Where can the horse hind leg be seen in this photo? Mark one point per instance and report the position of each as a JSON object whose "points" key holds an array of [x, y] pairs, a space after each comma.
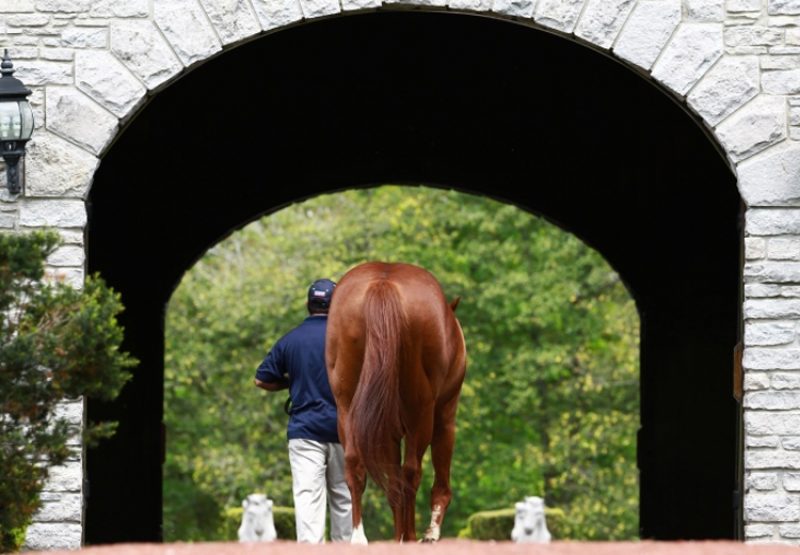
{"points": [[396, 491], [442, 455], [416, 445], [356, 477]]}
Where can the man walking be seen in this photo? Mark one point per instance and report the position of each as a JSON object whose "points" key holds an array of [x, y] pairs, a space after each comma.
{"points": [[297, 362]]}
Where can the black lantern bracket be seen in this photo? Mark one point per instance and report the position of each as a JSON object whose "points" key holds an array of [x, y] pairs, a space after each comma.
{"points": [[16, 123]]}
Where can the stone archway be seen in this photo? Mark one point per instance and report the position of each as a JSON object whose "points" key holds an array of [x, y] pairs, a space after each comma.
{"points": [[115, 56], [448, 110]]}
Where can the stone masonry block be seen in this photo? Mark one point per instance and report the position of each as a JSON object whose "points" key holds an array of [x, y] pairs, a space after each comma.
{"points": [[755, 248], [57, 168], [186, 27], [738, 6], [437, 3], [772, 459], [40, 72], [790, 531], [647, 31], [762, 481], [769, 333], [28, 20], [233, 20], [694, 48], [17, 6], [753, 35], [514, 8], [116, 8], [772, 178], [771, 272], [142, 49], [602, 20], [469, 5], [67, 477], [764, 423], [791, 481], [705, 10], [786, 380], [771, 358], [791, 443], [70, 410], [63, 6], [731, 83], [769, 308], [100, 75], [73, 115], [784, 248], [783, 7], [759, 124], [43, 536], [278, 13], [84, 37], [772, 400], [772, 222], [760, 442], [52, 213], [792, 37], [561, 15], [785, 81], [66, 507], [759, 531], [73, 277], [480, 5], [771, 507], [754, 381], [68, 255]]}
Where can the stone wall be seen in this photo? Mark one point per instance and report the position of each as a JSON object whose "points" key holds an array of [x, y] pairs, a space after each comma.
{"points": [[733, 63]]}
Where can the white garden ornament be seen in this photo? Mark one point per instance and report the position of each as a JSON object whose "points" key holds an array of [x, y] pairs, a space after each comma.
{"points": [[530, 525], [258, 524]]}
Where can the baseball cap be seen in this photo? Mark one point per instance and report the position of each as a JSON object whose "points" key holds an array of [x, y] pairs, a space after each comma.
{"points": [[320, 293]]}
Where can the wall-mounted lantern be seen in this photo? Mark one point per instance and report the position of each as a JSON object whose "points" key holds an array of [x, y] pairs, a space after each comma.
{"points": [[16, 123]]}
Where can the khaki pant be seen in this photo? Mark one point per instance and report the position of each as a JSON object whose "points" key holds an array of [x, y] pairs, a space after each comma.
{"points": [[317, 481]]}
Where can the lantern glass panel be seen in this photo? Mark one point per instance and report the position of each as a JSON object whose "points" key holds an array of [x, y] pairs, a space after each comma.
{"points": [[26, 116], [10, 120]]}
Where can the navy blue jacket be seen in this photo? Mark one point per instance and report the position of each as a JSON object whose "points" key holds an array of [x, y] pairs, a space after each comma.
{"points": [[299, 357]]}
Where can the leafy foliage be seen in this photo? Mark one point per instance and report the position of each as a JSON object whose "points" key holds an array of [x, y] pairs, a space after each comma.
{"points": [[56, 343], [550, 404]]}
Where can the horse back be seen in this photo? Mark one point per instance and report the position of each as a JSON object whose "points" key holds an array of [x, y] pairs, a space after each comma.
{"points": [[433, 342]]}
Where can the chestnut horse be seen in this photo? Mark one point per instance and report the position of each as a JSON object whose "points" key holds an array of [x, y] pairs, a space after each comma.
{"points": [[396, 361]]}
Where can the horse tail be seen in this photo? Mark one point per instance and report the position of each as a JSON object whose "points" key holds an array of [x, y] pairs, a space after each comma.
{"points": [[375, 423]]}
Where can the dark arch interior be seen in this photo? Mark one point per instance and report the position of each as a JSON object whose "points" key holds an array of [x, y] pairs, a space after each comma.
{"points": [[482, 105]]}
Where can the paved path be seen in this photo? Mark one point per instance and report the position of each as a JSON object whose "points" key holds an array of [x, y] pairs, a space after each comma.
{"points": [[445, 547]]}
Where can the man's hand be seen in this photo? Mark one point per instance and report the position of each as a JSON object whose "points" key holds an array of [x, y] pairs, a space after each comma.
{"points": [[271, 386]]}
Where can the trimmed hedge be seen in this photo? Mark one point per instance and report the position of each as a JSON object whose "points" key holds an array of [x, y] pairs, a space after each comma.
{"points": [[497, 525], [283, 517]]}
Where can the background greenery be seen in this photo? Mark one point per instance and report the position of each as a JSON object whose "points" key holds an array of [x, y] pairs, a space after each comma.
{"points": [[550, 404]]}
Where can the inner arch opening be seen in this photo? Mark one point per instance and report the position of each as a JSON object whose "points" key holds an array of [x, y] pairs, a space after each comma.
{"points": [[550, 405], [483, 105]]}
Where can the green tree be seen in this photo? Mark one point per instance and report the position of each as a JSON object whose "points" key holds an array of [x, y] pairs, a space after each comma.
{"points": [[550, 403], [56, 343]]}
